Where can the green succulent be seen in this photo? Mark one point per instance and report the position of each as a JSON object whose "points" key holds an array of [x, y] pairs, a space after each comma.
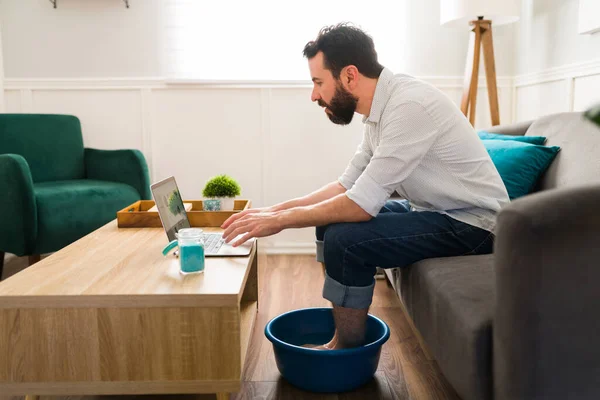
{"points": [[221, 186]]}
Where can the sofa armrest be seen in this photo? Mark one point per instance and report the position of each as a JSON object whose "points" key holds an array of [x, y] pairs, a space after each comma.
{"points": [[546, 330], [517, 129], [125, 166], [18, 209]]}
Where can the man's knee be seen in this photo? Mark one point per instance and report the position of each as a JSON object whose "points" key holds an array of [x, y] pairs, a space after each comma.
{"points": [[330, 236], [337, 239], [342, 235]]}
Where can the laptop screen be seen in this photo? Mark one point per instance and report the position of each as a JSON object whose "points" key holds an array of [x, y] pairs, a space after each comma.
{"points": [[170, 206]]}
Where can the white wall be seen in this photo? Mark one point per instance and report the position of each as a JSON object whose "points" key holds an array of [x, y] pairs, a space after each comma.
{"points": [[78, 39], [101, 38], [104, 63], [557, 68]]}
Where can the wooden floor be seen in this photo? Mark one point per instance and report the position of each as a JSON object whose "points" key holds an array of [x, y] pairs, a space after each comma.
{"points": [[289, 282]]}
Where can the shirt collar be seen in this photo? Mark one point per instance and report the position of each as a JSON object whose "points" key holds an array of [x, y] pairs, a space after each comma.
{"points": [[380, 97]]}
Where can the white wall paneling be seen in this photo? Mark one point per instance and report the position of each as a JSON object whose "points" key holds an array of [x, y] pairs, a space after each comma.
{"points": [[567, 88], [26, 100], [12, 101], [587, 92], [110, 119], [200, 133], [545, 98]]}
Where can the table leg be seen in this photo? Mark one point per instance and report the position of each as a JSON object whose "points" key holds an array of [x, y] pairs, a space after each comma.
{"points": [[222, 396], [32, 397]]}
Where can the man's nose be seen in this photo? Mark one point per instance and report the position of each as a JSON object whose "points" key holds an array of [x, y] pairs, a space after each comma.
{"points": [[314, 96]]}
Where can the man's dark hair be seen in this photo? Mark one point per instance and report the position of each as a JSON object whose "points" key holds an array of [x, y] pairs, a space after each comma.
{"points": [[344, 45]]}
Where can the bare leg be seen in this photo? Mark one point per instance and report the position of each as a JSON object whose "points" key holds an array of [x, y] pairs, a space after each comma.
{"points": [[351, 326]]}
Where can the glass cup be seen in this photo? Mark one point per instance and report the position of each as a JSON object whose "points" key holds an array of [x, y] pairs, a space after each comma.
{"points": [[191, 250]]}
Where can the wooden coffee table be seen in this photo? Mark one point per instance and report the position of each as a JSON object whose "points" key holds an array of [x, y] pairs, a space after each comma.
{"points": [[110, 315]]}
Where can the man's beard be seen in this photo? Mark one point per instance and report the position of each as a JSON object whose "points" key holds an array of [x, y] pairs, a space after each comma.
{"points": [[342, 106]]}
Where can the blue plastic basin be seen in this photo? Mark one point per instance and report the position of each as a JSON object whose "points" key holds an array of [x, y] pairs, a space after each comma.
{"points": [[324, 371]]}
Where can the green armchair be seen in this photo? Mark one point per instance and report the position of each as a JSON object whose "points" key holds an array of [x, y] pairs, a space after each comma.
{"points": [[55, 191]]}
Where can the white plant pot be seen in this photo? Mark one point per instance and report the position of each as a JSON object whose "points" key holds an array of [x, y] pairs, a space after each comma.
{"points": [[227, 203]]}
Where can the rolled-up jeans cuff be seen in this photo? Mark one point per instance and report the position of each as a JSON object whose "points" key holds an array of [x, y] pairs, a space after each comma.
{"points": [[358, 297], [320, 256]]}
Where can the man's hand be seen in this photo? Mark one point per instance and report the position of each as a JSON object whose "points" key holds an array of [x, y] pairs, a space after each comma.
{"points": [[265, 222], [239, 215], [251, 224]]}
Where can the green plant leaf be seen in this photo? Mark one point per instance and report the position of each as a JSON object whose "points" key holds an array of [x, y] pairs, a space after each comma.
{"points": [[593, 114], [221, 186]]}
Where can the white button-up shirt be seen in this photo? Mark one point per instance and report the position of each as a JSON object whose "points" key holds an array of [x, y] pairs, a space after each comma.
{"points": [[417, 142]]}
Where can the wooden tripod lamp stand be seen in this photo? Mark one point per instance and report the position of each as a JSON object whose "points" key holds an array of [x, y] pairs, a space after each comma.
{"points": [[479, 15]]}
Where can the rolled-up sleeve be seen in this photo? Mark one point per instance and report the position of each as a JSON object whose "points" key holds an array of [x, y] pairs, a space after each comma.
{"points": [[357, 164], [405, 140]]}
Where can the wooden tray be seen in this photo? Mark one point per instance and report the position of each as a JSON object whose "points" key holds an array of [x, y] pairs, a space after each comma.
{"points": [[137, 215]]}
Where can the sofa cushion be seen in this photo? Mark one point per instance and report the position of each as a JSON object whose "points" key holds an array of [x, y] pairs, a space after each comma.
{"points": [[75, 208], [520, 164], [451, 302], [483, 135], [51, 144], [578, 162]]}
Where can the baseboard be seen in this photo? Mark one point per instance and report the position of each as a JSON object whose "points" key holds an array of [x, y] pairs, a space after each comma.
{"points": [[290, 248]]}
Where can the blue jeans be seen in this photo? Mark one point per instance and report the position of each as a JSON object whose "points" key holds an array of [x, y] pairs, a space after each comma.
{"points": [[396, 237]]}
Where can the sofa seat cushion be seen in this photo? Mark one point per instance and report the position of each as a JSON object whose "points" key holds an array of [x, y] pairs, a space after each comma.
{"points": [[76, 208], [451, 302]]}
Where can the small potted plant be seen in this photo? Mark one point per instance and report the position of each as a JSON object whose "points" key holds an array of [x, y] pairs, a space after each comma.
{"points": [[220, 192]]}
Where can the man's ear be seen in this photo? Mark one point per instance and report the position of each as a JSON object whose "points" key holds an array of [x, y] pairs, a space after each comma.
{"points": [[349, 77]]}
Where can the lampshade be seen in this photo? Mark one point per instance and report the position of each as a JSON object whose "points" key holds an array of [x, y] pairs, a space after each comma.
{"points": [[458, 13]]}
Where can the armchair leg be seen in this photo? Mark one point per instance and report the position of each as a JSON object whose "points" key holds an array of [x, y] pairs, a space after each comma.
{"points": [[1, 263], [34, 258]]}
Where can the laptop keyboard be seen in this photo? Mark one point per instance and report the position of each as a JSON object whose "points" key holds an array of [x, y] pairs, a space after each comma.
{"points": [[212, 242]]}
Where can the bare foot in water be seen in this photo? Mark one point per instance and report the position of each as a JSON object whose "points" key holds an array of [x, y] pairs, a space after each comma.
{"points": [[315, 346], [327, 346]]}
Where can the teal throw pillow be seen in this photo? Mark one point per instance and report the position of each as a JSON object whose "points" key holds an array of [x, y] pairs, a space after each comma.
{"points": [[520, 164], [497, 136]]}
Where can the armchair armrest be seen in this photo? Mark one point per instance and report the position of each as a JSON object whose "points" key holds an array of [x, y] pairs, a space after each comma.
{"points": [[125, 166], [18, 209], [546, 330]]}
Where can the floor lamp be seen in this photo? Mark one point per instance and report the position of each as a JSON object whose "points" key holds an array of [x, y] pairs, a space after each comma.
{"points": [[479, 15]]}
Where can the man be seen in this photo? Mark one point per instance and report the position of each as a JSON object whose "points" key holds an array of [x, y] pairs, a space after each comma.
{"points": [[416, 143]]}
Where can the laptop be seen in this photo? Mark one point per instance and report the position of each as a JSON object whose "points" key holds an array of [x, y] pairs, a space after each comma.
{"points": [[173, 217]]}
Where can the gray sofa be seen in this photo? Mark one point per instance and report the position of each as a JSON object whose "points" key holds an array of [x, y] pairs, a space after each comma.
{"points": [[524, 322]]}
